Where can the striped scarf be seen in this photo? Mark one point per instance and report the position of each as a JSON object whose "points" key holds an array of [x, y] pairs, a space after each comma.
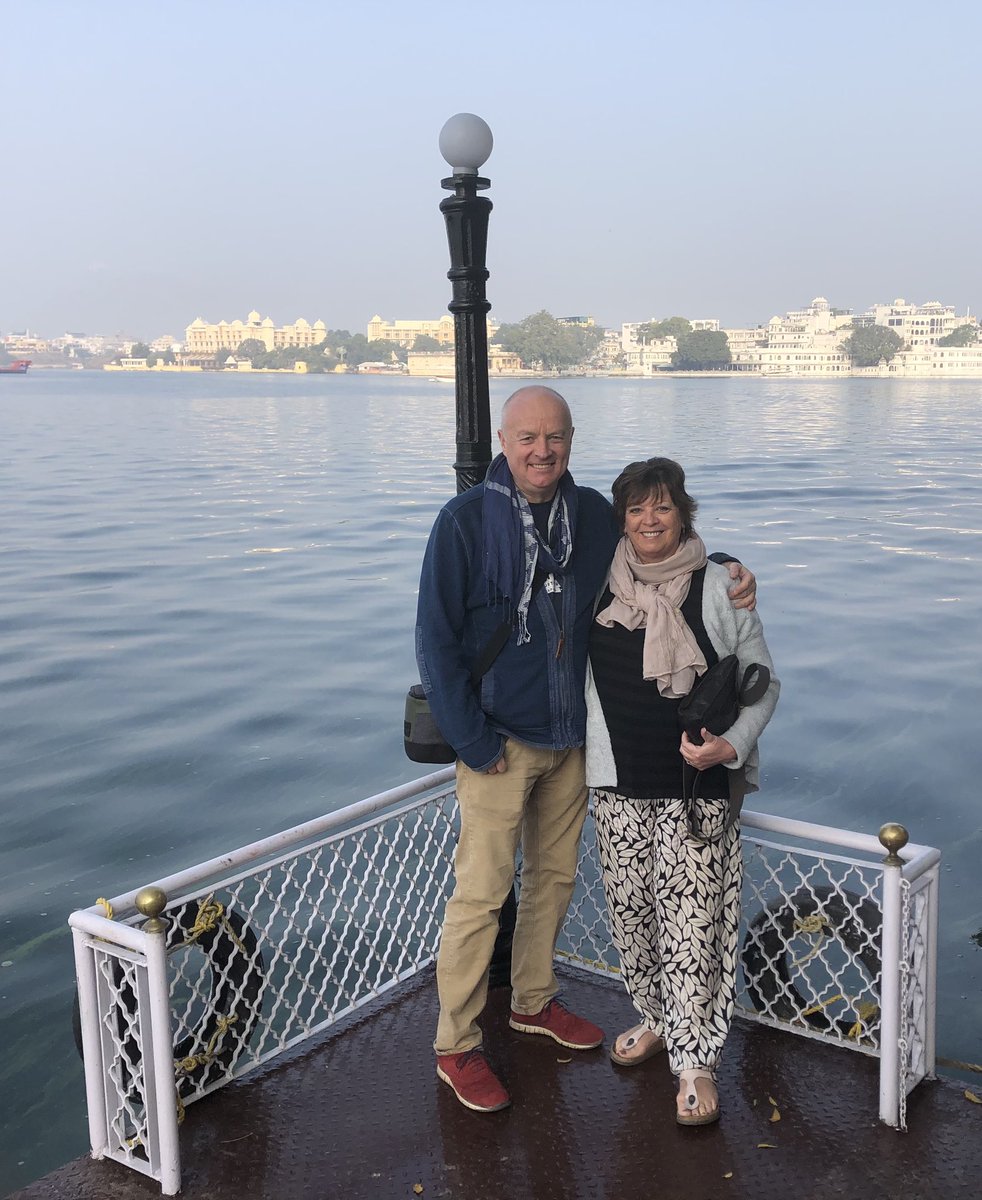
{"points": [[513, 547]]}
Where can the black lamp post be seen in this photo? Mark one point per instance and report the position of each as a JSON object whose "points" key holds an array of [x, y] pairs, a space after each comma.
{"points": [[465, 142]]}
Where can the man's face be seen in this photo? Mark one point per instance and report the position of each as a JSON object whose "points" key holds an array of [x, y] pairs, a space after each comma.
{"points": [[536, 435]]}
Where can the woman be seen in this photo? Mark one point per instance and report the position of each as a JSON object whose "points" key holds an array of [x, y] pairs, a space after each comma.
{"points": [[663, 617]]}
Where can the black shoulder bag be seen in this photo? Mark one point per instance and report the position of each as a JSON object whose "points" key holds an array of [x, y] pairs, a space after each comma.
{"points": [[423, 741], [714, 703]]}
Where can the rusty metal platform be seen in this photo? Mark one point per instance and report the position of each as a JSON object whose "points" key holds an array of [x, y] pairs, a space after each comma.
{"points": [[362, 1116]]}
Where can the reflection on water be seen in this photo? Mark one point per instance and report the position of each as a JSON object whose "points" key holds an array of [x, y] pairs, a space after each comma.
{"points": [[207, 591]]}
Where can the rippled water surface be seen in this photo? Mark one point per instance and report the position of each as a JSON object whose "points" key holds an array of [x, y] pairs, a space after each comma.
{"points": [[207, 592]]}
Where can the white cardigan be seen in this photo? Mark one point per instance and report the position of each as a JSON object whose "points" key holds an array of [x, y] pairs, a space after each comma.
{"points": [[731, 631]]}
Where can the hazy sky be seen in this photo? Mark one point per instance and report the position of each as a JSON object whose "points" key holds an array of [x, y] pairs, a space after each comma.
{"points": [[731, 160]]}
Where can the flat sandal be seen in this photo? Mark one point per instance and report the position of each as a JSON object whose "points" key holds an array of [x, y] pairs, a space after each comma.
{"points": [[631, 1038], [687, 1087]]}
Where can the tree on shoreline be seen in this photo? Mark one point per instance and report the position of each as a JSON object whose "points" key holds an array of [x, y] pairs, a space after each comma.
{"points": [[540, 340], [868, 344], [702, 350], [964, 335], [675, 327]]}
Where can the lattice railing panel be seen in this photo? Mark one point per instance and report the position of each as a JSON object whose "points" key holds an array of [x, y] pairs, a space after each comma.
{"points": [[292, 945], [121, 986], [278, 951], [811, 943], [914, 1018]]}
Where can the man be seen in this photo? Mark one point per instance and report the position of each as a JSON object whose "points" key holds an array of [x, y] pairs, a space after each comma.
{"points": [[531, 546]]}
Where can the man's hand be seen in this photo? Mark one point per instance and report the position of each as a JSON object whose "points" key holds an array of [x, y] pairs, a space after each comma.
{"points": [[743, 594], [499, 767]]}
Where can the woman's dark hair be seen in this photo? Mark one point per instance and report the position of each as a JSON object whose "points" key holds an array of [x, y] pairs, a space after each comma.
{"points": [[639, 480]]}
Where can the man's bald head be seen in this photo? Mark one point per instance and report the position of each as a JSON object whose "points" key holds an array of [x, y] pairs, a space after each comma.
{"points": [[536, 435]]}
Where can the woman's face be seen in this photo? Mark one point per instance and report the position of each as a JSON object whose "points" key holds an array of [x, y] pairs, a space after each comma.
{"points": [[654, 527]]}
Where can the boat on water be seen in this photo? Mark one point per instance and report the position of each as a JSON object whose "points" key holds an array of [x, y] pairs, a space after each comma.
{"points": [[301, 969], [17, 367]]}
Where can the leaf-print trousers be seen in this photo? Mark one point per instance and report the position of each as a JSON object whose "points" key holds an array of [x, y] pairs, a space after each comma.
{"points": [[674, 908]]}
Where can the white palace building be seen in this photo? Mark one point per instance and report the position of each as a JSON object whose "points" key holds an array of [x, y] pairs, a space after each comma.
{"points": [[809, 343]]}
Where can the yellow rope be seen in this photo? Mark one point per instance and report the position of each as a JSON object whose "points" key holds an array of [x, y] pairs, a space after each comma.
{"points": [[184, 1066], [210, 912], [865, 1010], [816, 924], [107, 907]]}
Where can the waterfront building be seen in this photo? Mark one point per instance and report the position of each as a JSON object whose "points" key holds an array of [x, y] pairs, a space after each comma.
{"points": [[203, 339], [405, 332], [629, 330], [441, 364], [650, 358], [24, 343], [74, 344], [806, 341], [918, 324], [745, 347], [809, 342], [931, 362]]}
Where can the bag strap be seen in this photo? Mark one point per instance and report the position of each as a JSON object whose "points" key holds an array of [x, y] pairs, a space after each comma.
{"points": [[752, 689], [690, 779], [756, 681], [496, 642]]}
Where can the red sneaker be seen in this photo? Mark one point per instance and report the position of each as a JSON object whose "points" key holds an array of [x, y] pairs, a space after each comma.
{"points": [[561, 1025], [474, 1083]]}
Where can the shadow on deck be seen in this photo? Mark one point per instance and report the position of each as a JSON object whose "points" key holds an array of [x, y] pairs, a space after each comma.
{"points": [[362, 1116]]}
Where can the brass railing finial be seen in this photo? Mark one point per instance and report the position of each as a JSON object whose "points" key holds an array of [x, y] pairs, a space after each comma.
{"points": [[893, 837], [151, 901]]}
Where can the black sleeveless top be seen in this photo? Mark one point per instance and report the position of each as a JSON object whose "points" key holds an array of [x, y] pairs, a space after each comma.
{"points": [[643, 725]]}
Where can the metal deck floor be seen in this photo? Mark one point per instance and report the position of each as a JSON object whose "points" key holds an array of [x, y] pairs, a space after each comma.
{"points": [[362, 1116]]}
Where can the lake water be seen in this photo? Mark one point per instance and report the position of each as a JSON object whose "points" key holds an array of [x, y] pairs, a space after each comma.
{"points": [[207, 594]]}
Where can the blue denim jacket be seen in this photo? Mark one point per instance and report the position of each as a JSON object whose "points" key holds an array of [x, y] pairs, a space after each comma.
{"points": [[533, 692]]}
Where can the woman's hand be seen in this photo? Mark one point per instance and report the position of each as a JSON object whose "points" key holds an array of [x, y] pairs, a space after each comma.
{"points": [[744, 593], [713, 751]]}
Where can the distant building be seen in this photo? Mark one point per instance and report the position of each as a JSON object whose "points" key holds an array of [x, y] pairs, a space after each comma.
{"points": [[74, 345], [931, 362], [808, 342], [629, 330], [441, 364], [203, 339], [405, 333], [918, 324], [652, 357], [24, 343]]}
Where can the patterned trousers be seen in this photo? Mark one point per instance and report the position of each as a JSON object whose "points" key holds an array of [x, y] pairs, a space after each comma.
{"points": [[674, 908]]}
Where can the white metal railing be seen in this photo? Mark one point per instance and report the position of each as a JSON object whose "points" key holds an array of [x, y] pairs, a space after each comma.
{"points": [[272, 944]]}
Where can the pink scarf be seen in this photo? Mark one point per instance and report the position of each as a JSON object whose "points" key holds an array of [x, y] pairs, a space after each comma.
{"points": [[648, 596]]}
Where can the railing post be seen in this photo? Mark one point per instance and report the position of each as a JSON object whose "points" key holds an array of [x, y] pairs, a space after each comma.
{"points": [[893, 838], [151, 902], [931, 973], [88, 1012]]}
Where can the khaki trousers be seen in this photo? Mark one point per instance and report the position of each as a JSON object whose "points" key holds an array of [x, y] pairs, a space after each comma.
{"points": [[540, 802]]}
